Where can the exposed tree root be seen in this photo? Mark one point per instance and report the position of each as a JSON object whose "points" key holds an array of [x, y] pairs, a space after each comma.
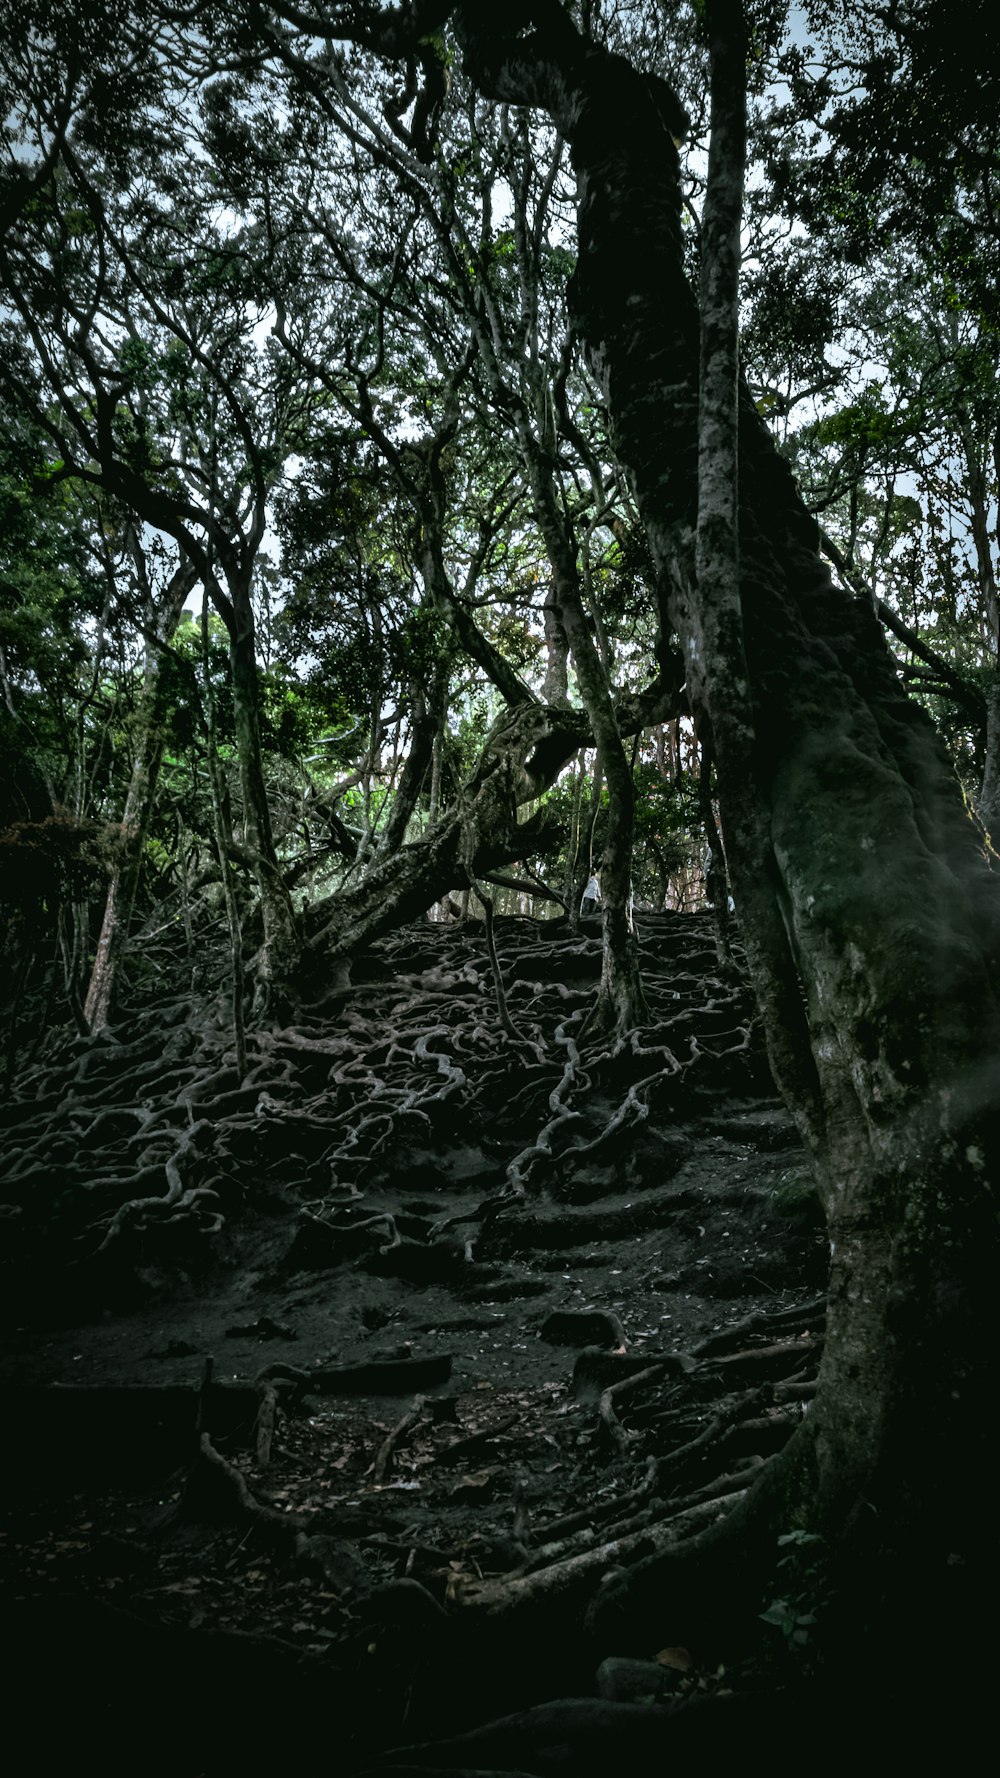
{"points": [[383, 1456], [610, 1424], [343, 1123], [178, 1205], [216, 1490], [417, 1047]]}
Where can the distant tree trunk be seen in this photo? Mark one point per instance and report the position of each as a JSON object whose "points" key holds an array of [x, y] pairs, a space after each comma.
{"points": [[662, 875], [584, 861], [423, 724], [571, 891], [224, 847], [868, 907], [474, 836], [280, 954], [988, 803], [620, 1004], [139, 798], [567, 625], [121, 888], [71, 930], [989, 795], [716, 875]]}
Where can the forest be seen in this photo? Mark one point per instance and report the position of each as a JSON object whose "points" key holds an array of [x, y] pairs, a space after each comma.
{"points": [[499, 912]]}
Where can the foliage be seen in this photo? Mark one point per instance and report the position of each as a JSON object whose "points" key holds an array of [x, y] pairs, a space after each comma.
{"points": [[264, 324], [798, 1612], [44, 864]]}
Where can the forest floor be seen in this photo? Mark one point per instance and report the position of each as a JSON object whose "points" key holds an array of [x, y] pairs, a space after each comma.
{"points": [[346, 1388]]}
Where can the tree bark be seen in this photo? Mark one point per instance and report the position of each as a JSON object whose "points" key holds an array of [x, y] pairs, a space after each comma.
{"points": [[423, 725], [526, 749], [620, 1004], [138, 802], [555, 686], [278, 960], [989, 796], [224, 847], [717, 539], [870, 913]]}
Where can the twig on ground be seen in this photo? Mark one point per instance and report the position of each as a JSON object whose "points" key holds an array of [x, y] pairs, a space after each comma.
{"points": [[389, 1445]]}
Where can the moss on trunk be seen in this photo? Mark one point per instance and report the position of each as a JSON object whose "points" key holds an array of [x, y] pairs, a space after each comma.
{"points": [[869, 908]]}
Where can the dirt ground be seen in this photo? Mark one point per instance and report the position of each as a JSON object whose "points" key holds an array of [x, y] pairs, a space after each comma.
{"points": [[357, 1381]]}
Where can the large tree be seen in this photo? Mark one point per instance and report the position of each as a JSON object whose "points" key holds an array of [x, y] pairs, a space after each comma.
{"points": [[867, 893], [868, 897]]}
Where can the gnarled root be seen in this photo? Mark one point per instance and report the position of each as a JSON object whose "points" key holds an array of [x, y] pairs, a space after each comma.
{"points": [[697, 1591]]}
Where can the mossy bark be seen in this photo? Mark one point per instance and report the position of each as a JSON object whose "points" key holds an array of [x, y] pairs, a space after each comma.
{"points": [[480, 831], [868, 906]]}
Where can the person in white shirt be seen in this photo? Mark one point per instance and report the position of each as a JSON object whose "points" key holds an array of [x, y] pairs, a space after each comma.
{"points": [[591, 896]]}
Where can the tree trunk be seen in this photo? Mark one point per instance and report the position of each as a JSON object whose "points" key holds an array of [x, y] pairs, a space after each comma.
{"points": [[868, 907], [717, 541], [525, 750], [988, 806], [620, 1004], [988, 803], [124, 880], [423, 726], [716, 875], [280, 953], [224, 847], [160, 627], [555, 686]]}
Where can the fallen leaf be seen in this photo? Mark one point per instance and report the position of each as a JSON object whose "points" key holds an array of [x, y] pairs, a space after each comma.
{"points": [[678, 1658]]}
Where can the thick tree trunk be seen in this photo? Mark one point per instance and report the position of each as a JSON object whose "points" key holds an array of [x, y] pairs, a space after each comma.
{"points": [[868, 907], [480, 832], [717, 542]]}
